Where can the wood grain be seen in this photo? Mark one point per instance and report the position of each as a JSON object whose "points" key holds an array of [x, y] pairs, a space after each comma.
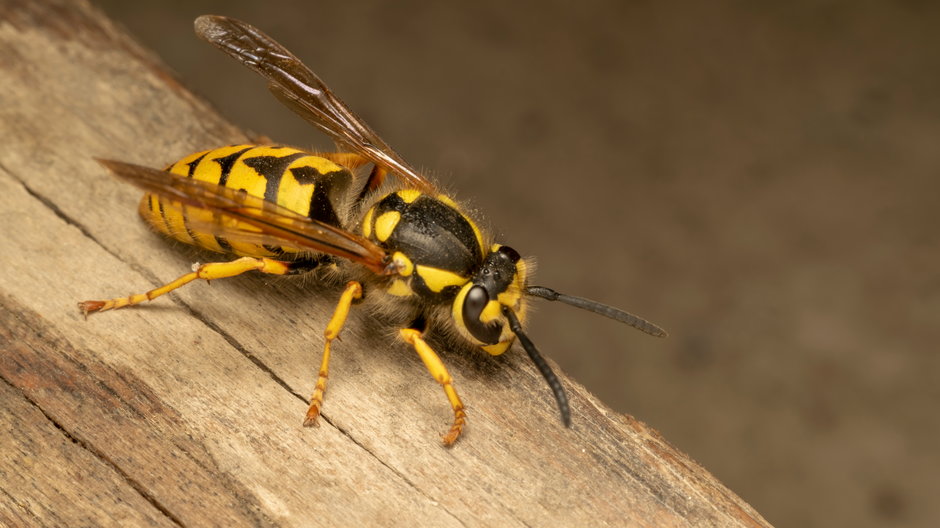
{"points": [[189, 411]]}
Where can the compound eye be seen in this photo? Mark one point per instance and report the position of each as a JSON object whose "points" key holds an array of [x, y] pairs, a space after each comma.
{"points": [[513, 255], [473, 305]]}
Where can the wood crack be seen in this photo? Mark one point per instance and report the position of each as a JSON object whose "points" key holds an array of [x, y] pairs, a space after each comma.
{"points": [[99, 455]]}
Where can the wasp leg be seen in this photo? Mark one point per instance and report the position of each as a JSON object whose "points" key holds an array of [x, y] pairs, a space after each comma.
{"points": [[439, 372], [211, 271], [353, 161], [352, 292]]}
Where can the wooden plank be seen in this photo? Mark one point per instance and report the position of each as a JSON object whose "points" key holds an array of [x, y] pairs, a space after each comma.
{"points": [[198, 399], [77, 487]]}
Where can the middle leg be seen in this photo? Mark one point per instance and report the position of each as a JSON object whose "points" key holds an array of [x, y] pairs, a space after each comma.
{"points": [[352, 292]]}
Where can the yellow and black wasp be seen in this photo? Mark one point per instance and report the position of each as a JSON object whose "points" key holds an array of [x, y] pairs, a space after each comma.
{"points": [[402, 244]]}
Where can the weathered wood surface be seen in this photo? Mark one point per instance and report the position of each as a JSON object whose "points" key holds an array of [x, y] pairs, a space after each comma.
{"points": [[188, 411]]}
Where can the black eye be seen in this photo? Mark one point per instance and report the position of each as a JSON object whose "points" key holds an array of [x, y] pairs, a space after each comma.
{"points": [[473, 305], [475, 301], [510, 252]]}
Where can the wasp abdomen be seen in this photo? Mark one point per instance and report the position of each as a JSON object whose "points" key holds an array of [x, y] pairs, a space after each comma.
{"points": [[299, 181]]}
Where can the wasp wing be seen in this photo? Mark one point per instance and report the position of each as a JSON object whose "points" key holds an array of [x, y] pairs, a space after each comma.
{"points": [[241, 217], [295, 85]]}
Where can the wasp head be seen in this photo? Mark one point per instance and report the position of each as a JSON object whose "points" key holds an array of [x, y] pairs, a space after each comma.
{"points": [[497, 285]]}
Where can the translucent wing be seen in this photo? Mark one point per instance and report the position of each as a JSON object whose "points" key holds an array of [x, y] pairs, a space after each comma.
{"points": [[241, 217], [295, 85]]}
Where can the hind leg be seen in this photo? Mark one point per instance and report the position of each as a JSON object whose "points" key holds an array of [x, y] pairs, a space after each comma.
{"points": [[211, 271]]}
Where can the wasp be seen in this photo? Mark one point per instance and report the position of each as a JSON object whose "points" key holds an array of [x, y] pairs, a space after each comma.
{"points": [[399, 242]]}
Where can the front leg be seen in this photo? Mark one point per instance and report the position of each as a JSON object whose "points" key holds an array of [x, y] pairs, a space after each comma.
{"points": [[436, 367]]}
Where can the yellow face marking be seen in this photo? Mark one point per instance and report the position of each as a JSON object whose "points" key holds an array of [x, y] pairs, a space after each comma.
{"points": [[498, 348], [385, 224], [491, 312], [409, 195], [367, 223], [404, 264], [400, 288], [508, 298], [438, 279]]}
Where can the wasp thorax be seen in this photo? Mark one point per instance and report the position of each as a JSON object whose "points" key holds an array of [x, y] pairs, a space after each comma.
{"points": [[433, 244], [477, 309]]}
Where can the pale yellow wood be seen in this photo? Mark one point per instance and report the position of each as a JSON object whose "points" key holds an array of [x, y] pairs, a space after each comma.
{"points": [[191, 407]]}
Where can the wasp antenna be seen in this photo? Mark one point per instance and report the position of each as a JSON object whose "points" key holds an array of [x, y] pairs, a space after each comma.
{"points": [[602, 309], [553, 382]]}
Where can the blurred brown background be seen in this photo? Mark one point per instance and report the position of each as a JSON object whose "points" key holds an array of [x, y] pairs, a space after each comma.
{"points": [[759, 178]]}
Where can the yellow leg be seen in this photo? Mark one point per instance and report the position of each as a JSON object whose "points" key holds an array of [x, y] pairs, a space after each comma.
{"points": [[352, 292], [439, 372], [211, 271]]}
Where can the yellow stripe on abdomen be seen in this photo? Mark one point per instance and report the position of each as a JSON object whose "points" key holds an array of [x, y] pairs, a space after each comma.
{"points": [[296, 180]]}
